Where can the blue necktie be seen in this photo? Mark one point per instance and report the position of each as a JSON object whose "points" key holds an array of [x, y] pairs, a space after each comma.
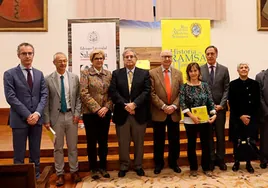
{"points": [[211, 74], [62, 96]]}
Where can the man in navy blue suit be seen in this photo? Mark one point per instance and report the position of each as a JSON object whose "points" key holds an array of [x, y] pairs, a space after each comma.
{"points": [[26, 93]]}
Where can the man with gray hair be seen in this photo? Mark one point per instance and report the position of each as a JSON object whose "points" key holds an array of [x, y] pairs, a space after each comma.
{"points": [[244, 100], [62, 113], [130, 92]]}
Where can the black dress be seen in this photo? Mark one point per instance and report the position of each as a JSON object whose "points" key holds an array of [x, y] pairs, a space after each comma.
{"points": [[244, 99]]}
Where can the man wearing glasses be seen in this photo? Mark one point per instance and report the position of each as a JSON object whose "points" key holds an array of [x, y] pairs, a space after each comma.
{"points": [[62, 113], [166, 82], [130, 92], [26, 93]]}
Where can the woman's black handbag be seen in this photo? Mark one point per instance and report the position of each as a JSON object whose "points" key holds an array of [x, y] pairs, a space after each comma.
{"points": [[247, 150]]}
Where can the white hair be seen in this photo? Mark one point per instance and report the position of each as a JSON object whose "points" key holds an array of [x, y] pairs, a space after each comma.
{"points": [[239, 65], [58, 53]]}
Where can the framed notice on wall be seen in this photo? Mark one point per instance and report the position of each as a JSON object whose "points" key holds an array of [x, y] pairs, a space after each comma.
{"points": [[86, 35]]}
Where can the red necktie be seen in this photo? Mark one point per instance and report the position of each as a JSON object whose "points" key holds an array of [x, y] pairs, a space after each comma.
{"points": [[168, 86]]}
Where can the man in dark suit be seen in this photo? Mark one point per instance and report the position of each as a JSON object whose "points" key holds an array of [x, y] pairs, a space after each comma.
{"points": [[262, 79], [62, 113], [130, 92], [26, 93], [166, 82], [218, 79]]}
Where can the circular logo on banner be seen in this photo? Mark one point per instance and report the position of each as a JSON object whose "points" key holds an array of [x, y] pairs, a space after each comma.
{"points": [[196, 29], [93, 37]]}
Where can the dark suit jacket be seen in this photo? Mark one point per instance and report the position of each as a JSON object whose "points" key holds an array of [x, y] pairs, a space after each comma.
{"points": [[244, 99], [140, 95], [262, 79], [21, 99], [219, 88]]}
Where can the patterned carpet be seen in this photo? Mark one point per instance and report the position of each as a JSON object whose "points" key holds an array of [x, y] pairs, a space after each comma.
{"points": [[169, 179]]}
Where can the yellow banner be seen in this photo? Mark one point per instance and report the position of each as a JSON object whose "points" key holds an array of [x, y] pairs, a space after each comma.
{"points": [[187, 39]]}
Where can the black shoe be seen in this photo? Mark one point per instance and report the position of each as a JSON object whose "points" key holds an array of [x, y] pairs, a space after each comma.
{"points": [[208, 173], [60, 181], [193, 173], [94, 174], [236, 166], [140, 172], [157, 170], [176, 169], [104, 173], [76, 177], [122, 173], [263, 165], [249, 168], [212, 165], [222, 166]]}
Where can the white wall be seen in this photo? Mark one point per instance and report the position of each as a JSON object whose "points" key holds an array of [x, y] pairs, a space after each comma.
{"points": [[236, 38]]}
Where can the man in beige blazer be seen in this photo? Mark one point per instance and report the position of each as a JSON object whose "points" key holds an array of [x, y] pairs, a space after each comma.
{"points": [[166, 82], [62, 113]]}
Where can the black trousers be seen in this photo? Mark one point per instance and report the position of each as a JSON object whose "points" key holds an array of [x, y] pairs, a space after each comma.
{"points": [[173, 129], [264, 140], [192, 130], [97, 130]]}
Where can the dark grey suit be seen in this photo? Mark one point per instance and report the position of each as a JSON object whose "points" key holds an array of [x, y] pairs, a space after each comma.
{"points": [[219, 90], [23, 101], [262, 78]]}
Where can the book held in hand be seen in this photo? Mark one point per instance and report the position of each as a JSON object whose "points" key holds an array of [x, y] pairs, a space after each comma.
{"points": [[201, 112], [52, 135]]}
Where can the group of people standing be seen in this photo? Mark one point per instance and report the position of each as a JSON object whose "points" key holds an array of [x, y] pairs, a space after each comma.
{"points": [[132, 97]]}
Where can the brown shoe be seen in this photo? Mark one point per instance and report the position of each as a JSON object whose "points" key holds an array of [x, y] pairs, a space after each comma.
{"points": [[60, 181], [75, 177]]}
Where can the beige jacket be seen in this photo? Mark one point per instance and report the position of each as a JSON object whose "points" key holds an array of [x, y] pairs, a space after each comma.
{"points": [[159, 95]]}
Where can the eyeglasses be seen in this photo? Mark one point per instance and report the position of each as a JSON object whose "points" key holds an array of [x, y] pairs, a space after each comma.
{"points": [[212, 54], [98, 59], [26, 53], [62, 61], [129, 57], [165, 57]]}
